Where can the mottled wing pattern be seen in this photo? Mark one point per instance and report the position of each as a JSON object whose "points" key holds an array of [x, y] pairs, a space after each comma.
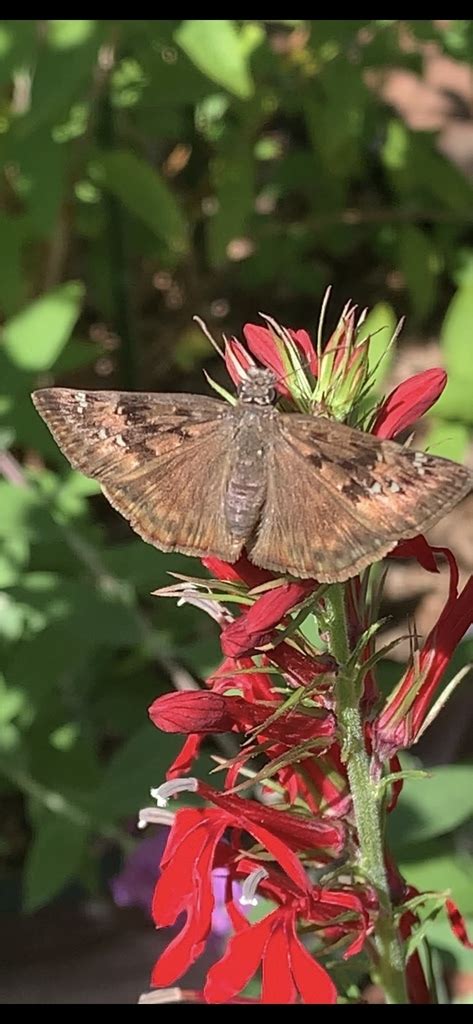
{"points": [[338, 499], [163, 461]]}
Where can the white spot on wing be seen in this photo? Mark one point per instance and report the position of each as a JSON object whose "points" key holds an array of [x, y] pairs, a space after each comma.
{"points": [[120, 441]]}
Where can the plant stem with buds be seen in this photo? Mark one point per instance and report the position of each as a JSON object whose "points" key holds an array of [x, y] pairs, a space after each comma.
{"points": [[390, 961]]}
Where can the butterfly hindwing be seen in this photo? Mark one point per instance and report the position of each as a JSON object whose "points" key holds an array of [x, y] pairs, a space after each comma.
{"points": [[338, 499]]}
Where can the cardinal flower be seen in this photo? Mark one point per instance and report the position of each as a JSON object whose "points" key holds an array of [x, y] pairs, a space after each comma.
{"points": [[201, 839], [405, 710], [408, 402]]}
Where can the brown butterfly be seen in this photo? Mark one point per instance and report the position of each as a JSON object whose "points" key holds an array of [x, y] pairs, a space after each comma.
{"points": [[304, 494]]}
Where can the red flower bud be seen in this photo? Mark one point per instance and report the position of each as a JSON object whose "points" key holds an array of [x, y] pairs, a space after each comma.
{"points": [[408, 402]]}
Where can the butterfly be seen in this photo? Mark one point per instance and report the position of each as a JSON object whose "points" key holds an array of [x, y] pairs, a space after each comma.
{"points": [[303, 494]]}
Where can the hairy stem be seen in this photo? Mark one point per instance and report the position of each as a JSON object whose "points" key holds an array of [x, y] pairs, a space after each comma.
{"points": [[389, 966]]}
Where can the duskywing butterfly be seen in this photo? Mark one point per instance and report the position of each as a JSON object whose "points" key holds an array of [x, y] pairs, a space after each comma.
{"points": [[304, 494]]}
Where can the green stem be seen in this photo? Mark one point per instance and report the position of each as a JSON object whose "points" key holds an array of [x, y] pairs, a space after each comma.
{"points": [[389, 966]]}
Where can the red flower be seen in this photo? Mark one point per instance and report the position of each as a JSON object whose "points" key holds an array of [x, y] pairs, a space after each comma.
{"points": [[299, 832], [200, 711], [419, 549], [195, 845], [243, 570], [262, 343], [185, 883], [405, 709], [255, 627], [457, 923], [288, 969], [408, 402]]}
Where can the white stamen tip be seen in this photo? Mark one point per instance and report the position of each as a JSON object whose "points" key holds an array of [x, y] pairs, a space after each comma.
{"points": [[169, 789], [249, 887]]}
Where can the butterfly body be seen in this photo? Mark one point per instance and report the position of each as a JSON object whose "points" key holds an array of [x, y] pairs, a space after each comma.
{"points": [[304, 494], [246, 488]]}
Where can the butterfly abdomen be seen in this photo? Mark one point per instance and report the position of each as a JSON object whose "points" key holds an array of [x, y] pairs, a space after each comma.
{"points": [[246, 490]]}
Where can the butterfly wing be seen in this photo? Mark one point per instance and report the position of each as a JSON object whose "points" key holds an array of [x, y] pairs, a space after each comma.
{"points": [[338, 499], [163, 461]]}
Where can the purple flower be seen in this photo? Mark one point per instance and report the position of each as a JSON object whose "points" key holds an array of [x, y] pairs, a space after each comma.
{"points": [[134, 885]]}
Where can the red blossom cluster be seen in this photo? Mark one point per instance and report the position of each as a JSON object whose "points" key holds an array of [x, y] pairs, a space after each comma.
{"points": [[295, 846]]}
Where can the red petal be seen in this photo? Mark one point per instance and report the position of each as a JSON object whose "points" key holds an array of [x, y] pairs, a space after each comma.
{"points": [[237, 360], [253, 628], [303, 340], [261, 343], [277, 984], [457, 923], [191, 711], [417, 548], [182, 764], [312, 980], [302, 833], [242, 570], [236, 968], [301, 668], [408, 402]]}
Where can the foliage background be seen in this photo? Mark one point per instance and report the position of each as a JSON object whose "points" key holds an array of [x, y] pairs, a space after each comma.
{"points": [[152, 170]]}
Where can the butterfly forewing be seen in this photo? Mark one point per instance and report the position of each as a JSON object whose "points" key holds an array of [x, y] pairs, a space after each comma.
{"points": [[350, 499], [163, 461]]}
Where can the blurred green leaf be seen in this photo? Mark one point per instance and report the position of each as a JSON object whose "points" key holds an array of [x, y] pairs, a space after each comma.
{"points": [[12, 285], [380, 324], [233, 178], [456, 335], [138, 766], [34, 338], [441, 935], [54, 858], [447, 439], [144, 193], [216, 48], [426, 808], [418, 262], [435, 867], [64, 33]]}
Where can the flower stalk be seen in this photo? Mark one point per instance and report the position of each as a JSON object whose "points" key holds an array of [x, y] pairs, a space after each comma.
{"points": [[367, 809]]}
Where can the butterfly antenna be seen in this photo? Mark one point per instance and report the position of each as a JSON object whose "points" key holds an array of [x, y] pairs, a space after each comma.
{"points": [[205, 330]]}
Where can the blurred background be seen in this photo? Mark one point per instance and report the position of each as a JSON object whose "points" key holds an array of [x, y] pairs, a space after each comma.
{"points": [[150, 171]]}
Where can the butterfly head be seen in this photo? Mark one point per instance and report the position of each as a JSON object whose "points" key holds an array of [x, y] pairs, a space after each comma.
{"points": [[258, 387]]}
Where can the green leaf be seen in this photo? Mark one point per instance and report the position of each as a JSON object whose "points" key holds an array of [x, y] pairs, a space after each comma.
{"points": [[455, 402], [380, 324], [418, 262], [436, 868], [66, 33], [53, 859], [140, 764], [447, 439], [34, 338], [144, 193], [441, 935], [217, 49], [455, 337], [426, 809], [233, 177], [12, 284]]}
